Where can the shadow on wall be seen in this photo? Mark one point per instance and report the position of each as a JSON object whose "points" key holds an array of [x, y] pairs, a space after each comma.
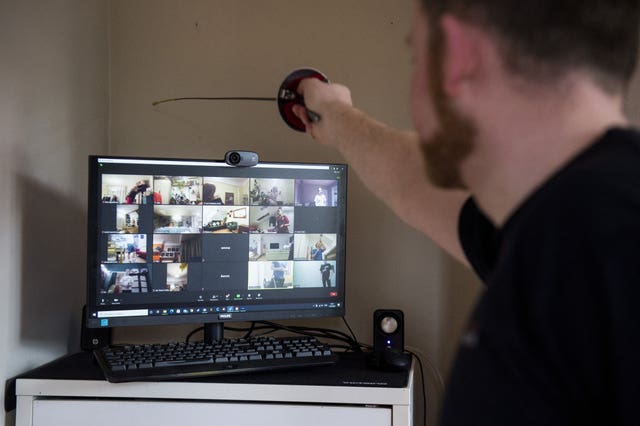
{"points": [[53, 271]]}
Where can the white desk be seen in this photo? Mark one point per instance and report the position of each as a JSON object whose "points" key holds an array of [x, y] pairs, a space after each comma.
{"points": [[43, 401]]}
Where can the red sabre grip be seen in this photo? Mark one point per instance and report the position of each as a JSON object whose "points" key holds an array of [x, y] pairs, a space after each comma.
{"points": [[288, 97]]}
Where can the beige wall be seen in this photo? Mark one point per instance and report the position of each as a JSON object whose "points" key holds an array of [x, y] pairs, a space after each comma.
{"points": [[162, 49], [53, 113]]}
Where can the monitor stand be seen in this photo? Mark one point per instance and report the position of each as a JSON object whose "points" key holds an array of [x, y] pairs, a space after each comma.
{"points": [[213, 332]]}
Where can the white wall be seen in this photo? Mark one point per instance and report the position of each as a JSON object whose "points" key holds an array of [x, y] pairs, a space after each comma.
{"points": [[164, 48], [53, 113]]}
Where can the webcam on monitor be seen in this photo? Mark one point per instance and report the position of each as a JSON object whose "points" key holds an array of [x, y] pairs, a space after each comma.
{"points": [[241, 158]]}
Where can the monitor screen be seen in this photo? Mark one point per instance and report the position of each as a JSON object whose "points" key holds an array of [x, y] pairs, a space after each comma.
{"points": [[196, 241]]}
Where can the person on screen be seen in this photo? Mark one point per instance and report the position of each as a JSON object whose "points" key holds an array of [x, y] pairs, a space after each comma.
{"points": [[316, 251], [126, 282], [132, 255], [524, 167], [209, 195], [272, 198], [278, 269], [320, 200], [291, 247], [282, 222], [139, 188], [325, 271]]}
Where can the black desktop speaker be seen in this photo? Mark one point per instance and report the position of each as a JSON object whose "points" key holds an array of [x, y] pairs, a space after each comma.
{"points": [[93, 338], [388, 330], [388, 340]]}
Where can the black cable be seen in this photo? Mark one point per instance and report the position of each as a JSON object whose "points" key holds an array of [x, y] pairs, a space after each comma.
{"points": [[345, 347], [245, 329], [340, 335], [267, 327], [305, 331], [223, 98], [319, 332], [192, 333], [422, 382], [250, 330], [353, 335]]}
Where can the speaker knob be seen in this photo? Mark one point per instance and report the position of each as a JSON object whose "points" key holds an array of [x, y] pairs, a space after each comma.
{"points": [[389, 324]]}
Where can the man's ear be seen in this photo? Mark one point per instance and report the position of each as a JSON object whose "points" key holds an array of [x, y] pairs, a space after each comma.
{"points": [[461, 53]]}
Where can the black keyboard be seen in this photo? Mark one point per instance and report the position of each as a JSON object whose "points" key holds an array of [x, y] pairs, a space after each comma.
{"points": [[185, 360]]}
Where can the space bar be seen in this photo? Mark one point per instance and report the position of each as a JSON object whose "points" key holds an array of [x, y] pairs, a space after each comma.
{"points": [[183, 362]]}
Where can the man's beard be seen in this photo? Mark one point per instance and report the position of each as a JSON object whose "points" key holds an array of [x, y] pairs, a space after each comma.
{"points": [[453, 141], [445, 150]]}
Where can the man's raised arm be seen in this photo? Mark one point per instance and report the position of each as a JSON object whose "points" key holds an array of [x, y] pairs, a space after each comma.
{"points": [[389, 161]]}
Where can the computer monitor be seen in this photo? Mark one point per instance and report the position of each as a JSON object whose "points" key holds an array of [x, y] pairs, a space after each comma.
{"points": [[175, 241]]}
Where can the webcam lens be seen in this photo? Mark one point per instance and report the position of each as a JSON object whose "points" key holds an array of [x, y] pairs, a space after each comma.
{"points": [[234, 158]]}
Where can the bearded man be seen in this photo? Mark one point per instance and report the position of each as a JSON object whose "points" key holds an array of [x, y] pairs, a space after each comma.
{"points": [[532, 179]]}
